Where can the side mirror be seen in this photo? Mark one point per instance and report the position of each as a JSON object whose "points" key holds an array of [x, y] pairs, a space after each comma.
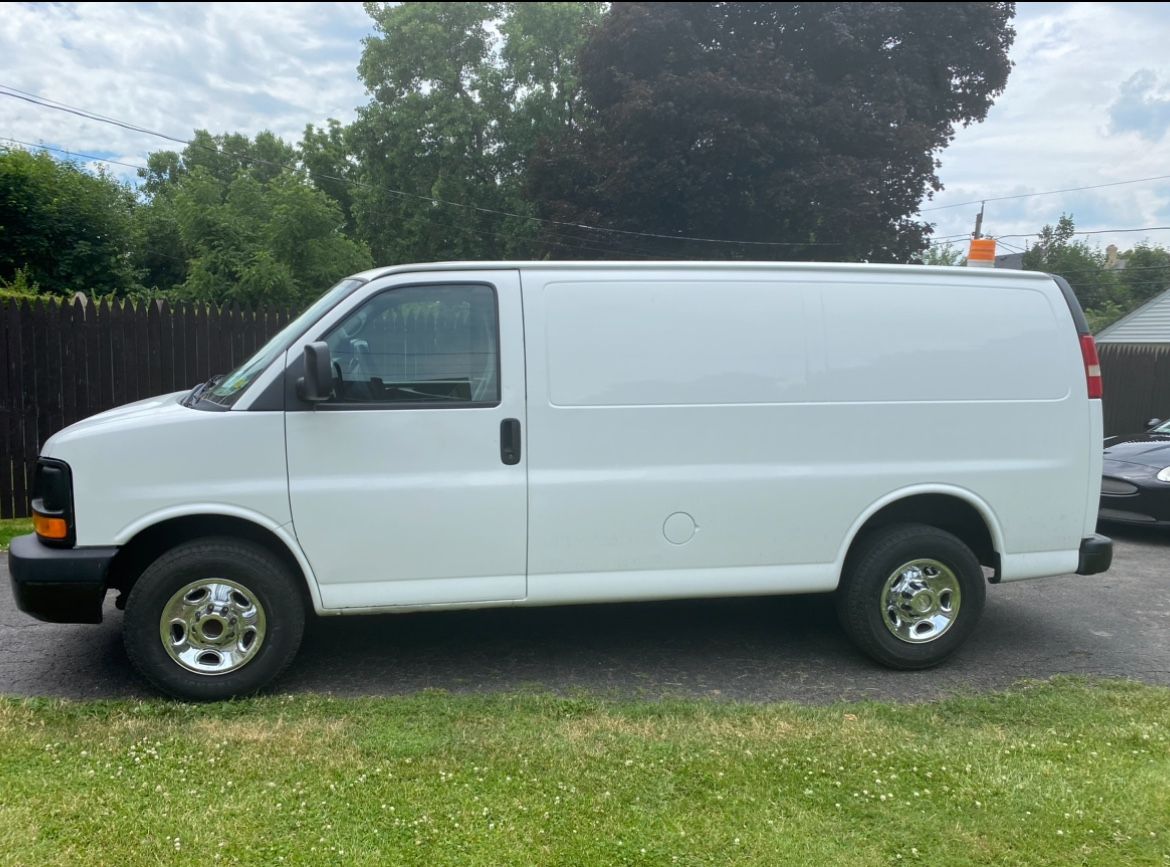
{"points": [[317, 383], [1154, 422]]}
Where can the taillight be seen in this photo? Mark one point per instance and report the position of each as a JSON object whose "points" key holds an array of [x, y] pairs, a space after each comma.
{"points": [[1092, 365]]}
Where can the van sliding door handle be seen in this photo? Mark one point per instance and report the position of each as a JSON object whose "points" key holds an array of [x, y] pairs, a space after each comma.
{"points": [[510, 441]]}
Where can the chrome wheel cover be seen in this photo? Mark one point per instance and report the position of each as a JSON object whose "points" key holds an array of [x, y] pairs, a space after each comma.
{"points": [[212, 626], [920, 601]]}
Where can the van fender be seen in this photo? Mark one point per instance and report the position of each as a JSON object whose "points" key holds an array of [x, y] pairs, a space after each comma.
{"points": [[970, 497], [283, 532]]}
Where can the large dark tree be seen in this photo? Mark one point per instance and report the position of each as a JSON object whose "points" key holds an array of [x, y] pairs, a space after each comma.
{"points": [[806, 123]]}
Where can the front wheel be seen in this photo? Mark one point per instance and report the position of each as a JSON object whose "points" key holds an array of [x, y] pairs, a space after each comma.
{"points": [[911, 595], [212, 619]]}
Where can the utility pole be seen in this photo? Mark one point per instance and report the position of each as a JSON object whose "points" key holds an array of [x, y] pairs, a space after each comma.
{"points": [[978, 233]]}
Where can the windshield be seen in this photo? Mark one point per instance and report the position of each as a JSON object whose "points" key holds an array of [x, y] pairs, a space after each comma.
{"points": [[1164, 427], [229, 388]]}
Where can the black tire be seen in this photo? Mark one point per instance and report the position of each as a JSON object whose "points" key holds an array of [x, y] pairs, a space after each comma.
{"points": [[271, 588], [863, 611]]}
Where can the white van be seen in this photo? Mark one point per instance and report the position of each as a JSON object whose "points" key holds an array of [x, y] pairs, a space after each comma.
{"points": [[466, 435]]}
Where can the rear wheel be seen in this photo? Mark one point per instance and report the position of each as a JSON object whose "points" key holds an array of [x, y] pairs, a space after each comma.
{"points": [[212, 619], [911, 595]]}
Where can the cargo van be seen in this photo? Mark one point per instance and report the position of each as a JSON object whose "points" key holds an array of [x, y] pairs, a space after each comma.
{"points": [[466, 435]]}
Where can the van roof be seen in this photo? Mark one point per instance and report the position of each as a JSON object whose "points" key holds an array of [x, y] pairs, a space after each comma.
{"points": [[644, 265]]}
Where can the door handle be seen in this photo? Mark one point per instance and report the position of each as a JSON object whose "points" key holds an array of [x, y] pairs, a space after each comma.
{"points": [[510, 441]]}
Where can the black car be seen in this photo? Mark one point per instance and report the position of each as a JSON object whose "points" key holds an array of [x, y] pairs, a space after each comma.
{"points": [[1135, 482]]}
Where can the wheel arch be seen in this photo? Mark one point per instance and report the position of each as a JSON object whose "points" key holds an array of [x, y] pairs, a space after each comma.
{"points": [[142, 543], [953, 509]]}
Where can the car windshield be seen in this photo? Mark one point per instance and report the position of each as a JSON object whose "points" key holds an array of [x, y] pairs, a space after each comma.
{"points": [[228, 389], [1164, 427]]}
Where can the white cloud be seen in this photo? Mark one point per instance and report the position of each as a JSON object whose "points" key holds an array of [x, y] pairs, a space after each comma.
{"points": [[1052, 127], [1142, 107], [176, 67]]}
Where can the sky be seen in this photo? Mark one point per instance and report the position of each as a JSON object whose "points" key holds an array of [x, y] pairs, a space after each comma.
{"points": [[1088, 101]]}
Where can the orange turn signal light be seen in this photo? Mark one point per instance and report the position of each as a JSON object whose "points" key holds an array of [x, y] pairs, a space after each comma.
{"points": [[50, 528]]}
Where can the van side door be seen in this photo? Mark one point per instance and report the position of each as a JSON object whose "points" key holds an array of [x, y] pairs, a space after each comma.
{"points": [[409, 485]]}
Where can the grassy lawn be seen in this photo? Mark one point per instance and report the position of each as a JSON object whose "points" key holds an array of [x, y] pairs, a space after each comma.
{"points": [[1067, 772], [10, 527]]}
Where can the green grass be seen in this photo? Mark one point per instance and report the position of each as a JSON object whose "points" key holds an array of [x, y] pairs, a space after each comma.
{"points": [[1067, 772], [10, 527]]}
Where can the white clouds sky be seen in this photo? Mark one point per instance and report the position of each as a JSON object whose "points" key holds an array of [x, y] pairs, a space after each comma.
{"points": [[1088, 101], [1085, 104], [175, 67]]}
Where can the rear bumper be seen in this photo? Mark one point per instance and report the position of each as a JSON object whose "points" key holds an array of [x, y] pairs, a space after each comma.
{"points": [[1096, 555], [58, 585]]}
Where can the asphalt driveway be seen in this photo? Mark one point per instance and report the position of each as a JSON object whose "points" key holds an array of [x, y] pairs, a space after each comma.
{"points": [[784, 648]]}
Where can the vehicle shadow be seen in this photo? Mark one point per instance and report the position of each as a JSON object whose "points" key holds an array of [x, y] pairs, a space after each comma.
{"points": [[1135, 533], [693, 646], [787, 648]]}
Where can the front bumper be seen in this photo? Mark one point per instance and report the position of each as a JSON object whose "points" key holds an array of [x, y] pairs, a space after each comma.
{"points": [[1132, 494], [1096, 555], [58, 585]]}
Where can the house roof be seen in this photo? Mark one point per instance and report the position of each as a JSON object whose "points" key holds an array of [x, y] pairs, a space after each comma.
{"points": [[1150, 323]]}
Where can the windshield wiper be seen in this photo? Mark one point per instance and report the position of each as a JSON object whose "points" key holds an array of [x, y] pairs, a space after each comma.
{"points": [[197, 391]]}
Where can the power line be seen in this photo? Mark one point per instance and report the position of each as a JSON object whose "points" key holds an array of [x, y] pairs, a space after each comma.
{"points": [[1046, 193], [1078, 232], [43, 102], [1092, 232], [90, 157]]}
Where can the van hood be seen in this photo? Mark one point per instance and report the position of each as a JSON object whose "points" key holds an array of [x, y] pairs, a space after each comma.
{"points": [[132, 413]]}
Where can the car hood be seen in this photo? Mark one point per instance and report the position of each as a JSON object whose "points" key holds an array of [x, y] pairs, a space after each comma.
{"points": [[1148, 449], [160, 408]]}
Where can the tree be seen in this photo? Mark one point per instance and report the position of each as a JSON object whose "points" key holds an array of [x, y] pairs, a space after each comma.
{"points": [[325, 155], [461, 94], [161, 253], [945, 254], [158, 248], [62, 228], [539, 54], [274, 242], [232, 219], [1146, 272], [1057, 252], [797, 123], [1107, 289]]}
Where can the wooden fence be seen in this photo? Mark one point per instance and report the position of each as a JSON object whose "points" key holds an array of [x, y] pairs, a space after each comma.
{"points": [[1136, 378], [61, 362]]}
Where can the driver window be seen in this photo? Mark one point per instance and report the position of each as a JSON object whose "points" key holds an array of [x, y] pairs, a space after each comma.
{"points": [[435, 344]]}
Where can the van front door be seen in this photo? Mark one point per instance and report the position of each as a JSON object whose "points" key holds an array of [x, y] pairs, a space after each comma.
{"points": [[409, 485]]}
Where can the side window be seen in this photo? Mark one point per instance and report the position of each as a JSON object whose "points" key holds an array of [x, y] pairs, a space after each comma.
{"points": [[436, 344]]}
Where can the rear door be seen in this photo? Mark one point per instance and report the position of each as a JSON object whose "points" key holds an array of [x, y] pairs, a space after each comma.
{"points": [[409, 486]]}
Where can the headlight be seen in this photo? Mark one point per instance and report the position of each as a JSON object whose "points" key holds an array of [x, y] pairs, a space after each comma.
{"points": [[52, 502], [1164, 475]]}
